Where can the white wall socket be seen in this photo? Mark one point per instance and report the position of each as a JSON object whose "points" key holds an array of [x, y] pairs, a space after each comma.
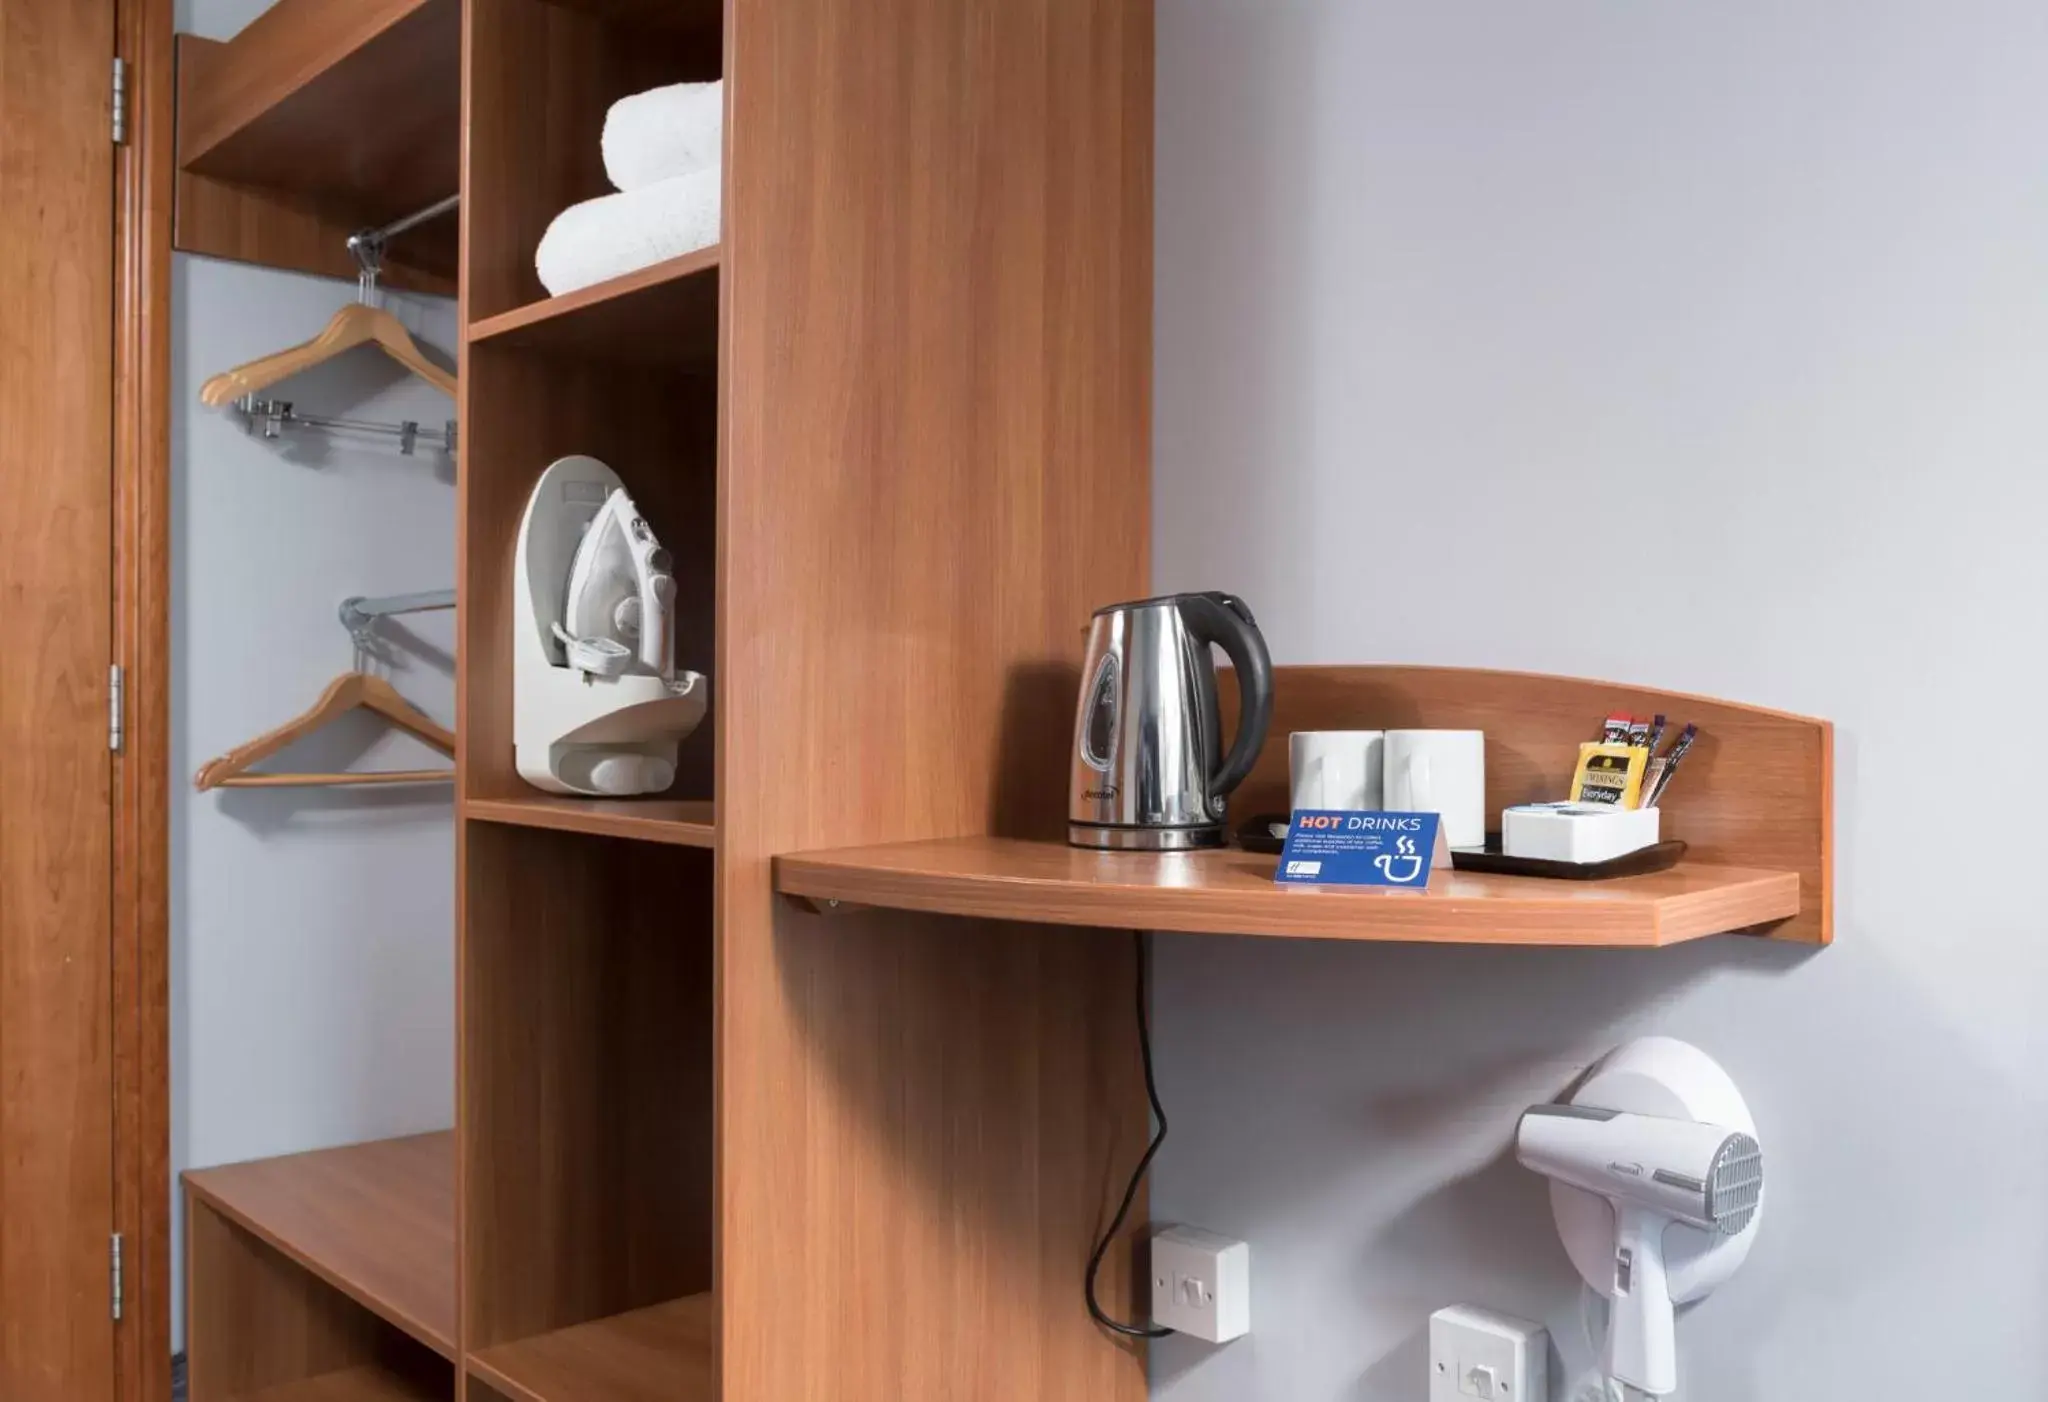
{"points": [[1202, 1284], [1476, 1355]]}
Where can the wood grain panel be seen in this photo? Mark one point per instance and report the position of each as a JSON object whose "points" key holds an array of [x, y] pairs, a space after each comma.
{"points": [[587, 1079], [278, 229], [1757, 789], [373, 1383], [261, 1326], [702, 19], [355, 102], [56, 605], [256, 1319], [144, 173], [520, 412], [1233, 892], [936, 272], [375, 1221], [664, 1353], [541, 78]]}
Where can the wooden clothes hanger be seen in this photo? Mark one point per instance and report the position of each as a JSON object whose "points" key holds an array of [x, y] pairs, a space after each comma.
{"points": [[363, 323], [348, 692], [354, 325]]}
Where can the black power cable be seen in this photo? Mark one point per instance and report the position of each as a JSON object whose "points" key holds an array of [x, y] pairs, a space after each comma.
{"points": [[1132, 1331]]}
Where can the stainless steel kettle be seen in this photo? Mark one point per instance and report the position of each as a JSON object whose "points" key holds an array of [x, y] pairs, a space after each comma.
{"points": [[1149, 771]]}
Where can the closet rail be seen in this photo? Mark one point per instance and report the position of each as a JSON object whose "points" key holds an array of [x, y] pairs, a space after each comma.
{"points": [[368, 245], [359, 615]]}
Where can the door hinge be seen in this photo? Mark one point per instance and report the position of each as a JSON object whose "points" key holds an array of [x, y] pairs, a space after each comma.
{"points": [[116, 1265], [117, 687], [120, 102]]}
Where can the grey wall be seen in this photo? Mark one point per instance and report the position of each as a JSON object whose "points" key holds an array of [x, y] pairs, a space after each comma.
{"points": [[312, 930], [1446, 289]]}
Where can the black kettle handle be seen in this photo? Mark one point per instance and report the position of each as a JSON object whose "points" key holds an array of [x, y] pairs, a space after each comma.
{"points": [[1224, 619]]}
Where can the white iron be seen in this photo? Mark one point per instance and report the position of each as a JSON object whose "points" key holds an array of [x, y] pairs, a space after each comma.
{"points": [[621, 590], [597, 705]]}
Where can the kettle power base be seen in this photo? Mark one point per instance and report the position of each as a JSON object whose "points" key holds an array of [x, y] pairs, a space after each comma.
{"points": [[1103, 838]]}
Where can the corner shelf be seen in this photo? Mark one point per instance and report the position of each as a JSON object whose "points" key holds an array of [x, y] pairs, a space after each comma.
{"points": [[677, 822], [664, 1353], [665, 315], [1755, 803], [375, 1221], [1233, 892]]}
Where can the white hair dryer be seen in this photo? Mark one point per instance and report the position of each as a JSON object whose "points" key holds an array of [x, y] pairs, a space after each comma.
{"points": [[1657, 1186]]}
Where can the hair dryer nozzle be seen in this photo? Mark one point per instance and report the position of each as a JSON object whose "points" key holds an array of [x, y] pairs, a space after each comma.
{"points": [[1708, 1176]]}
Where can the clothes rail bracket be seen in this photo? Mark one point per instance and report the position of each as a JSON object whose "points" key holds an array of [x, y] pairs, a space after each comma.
{"points": [[275, 417]]}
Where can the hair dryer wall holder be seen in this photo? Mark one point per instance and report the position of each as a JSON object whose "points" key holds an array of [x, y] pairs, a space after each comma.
{"points": [[1669, 1079]]}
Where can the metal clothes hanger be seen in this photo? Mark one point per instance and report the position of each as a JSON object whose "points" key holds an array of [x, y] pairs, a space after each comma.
{"points": [[348, 692], [363, 322]]}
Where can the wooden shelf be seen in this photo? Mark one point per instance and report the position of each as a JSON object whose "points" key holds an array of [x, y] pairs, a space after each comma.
{"points": [[356, 103], [1233, 892], [664, 1353], [678, 822], [367, 1384], [376, 1221], [1756, 793], [664, 315]]}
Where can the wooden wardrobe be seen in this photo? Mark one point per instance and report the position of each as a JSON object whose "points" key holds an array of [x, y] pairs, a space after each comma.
{"points": [[895, 430]]}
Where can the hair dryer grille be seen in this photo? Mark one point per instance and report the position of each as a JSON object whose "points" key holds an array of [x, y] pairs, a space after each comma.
{"points": [[1736, 1186]]}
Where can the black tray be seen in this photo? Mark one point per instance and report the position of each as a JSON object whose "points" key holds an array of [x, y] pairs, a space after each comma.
{"points": [[1661, 857], [1254, 834]]}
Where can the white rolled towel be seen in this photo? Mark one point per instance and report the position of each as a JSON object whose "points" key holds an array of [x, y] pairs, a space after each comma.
{"points": [[666, 132], [614, 235]]}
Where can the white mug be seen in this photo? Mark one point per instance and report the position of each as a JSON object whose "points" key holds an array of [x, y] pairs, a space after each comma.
{"points": [[1443, 772], [1339, 769]]}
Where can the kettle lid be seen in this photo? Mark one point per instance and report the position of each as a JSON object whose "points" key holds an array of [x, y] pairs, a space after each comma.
{"points": [[1173, 600]]}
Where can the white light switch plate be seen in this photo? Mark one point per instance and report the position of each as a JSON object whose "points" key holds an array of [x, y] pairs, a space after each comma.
{"points": [[1202, 1284], [1476, 1355]]}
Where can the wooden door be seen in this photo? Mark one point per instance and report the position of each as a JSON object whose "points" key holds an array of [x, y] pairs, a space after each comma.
{"points": [[56, 603]]}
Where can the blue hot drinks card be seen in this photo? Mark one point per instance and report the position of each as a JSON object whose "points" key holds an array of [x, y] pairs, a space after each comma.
{"points": [[1332, 848]]}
